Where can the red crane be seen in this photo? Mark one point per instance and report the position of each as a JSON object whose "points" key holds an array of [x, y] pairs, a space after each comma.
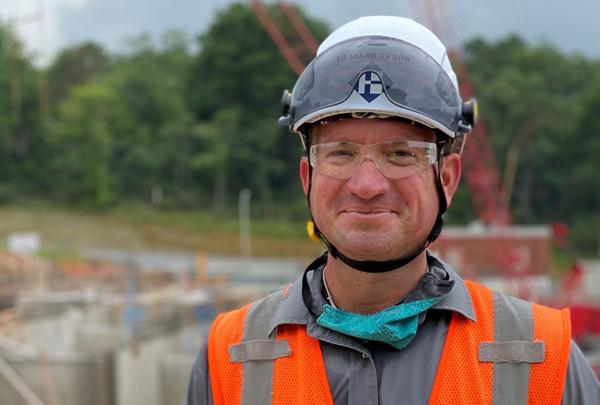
{"points": [[292, 54]]}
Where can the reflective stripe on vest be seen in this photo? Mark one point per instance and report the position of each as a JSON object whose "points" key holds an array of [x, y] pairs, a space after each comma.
{"points": [[514, 353], [244, 361]]}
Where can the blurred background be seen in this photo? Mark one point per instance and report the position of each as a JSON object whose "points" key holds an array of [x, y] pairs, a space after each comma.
{"points": [[145, 185]]}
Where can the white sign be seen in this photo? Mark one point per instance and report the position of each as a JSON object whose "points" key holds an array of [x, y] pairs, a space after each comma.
{"points": [[25, 242]]}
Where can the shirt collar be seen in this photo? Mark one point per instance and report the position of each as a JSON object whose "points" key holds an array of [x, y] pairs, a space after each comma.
{"points": [[458, 299], [293, 311]]}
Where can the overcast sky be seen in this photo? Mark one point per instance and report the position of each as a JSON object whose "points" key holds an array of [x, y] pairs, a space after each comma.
{"points": [[48, 25]]}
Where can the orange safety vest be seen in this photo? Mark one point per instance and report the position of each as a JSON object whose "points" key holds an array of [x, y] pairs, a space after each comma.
{"points": [[288, 368]]}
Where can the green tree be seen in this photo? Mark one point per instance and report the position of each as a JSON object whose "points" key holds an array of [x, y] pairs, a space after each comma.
{"points": [[240, 69], [22, 138], [82, 141], [210, 159], [75, 66], [150, 82], [581, 186], [532, 100]]}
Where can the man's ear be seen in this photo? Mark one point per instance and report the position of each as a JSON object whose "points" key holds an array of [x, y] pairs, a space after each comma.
{"points": [[304, 174], [450, 175]]}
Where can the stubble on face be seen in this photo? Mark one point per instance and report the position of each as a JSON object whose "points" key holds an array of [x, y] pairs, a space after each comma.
{"points": [[395, 227]]}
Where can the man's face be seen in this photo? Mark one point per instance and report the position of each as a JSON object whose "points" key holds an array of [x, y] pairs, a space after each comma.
{"points": [[370, 216]]}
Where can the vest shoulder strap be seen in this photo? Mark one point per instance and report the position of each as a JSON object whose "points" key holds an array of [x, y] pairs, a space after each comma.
{"points": [[251, 366], [513, 353], [225, 376]]}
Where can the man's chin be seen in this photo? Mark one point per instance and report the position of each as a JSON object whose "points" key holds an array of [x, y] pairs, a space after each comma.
{"points": [[354, 228]]}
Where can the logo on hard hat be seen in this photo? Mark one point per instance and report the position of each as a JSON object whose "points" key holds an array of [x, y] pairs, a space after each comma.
{"points": [[369, 86]]}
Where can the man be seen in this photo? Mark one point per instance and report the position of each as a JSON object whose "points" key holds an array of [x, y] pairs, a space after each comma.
{"points": [[378, 319]]}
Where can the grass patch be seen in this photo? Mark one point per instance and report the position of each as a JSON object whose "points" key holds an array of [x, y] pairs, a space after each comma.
{"points": [[137, 227]]}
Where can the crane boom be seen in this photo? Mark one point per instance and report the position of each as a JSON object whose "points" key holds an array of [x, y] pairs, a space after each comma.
{"points": [[277, 37]]}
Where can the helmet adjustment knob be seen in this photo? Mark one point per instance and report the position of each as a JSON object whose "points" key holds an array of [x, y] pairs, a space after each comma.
{"points": [[286, 102], [470, 112]]}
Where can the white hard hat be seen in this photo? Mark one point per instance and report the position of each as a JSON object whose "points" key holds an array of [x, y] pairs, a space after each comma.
{"points": [[384, 66]]}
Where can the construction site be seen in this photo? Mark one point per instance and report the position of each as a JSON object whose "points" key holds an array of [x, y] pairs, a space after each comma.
{"points": [[94, 332], [124, 326], [97, 332]]}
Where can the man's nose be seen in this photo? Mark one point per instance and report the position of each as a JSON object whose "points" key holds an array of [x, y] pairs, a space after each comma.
{"points": [[368, 181]]}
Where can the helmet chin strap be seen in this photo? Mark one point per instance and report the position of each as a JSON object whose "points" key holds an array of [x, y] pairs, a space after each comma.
{"points": [[374, 266]]}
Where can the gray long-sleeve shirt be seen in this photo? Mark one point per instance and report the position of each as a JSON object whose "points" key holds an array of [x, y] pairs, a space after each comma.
{"points": [[365, 373]]}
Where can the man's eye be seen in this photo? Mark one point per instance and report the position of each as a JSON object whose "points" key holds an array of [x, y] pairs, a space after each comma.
{"points": [[400, 153], [400, 156], [337, 154]]}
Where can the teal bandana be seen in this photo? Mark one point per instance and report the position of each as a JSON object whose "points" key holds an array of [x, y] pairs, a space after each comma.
{"points": [[396, 326]]}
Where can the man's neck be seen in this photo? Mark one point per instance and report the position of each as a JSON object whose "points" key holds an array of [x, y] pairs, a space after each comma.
{"points": [[365, 293]]}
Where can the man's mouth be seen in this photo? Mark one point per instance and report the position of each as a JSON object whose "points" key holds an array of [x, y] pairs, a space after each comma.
{"points": [[367, 212]]}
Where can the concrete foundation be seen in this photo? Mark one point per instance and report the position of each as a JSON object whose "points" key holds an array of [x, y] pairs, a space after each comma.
{"points": [[71, 379]]}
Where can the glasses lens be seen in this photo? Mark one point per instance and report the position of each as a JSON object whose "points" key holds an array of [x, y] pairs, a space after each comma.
{"points": [[335, 159], [395, 160]]}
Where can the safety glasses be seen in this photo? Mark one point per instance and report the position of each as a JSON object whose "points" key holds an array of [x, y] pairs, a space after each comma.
{"points": [[394, 159]]}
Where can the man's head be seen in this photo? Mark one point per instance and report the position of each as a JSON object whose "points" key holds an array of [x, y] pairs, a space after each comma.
{"points": [[378, 110]]}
